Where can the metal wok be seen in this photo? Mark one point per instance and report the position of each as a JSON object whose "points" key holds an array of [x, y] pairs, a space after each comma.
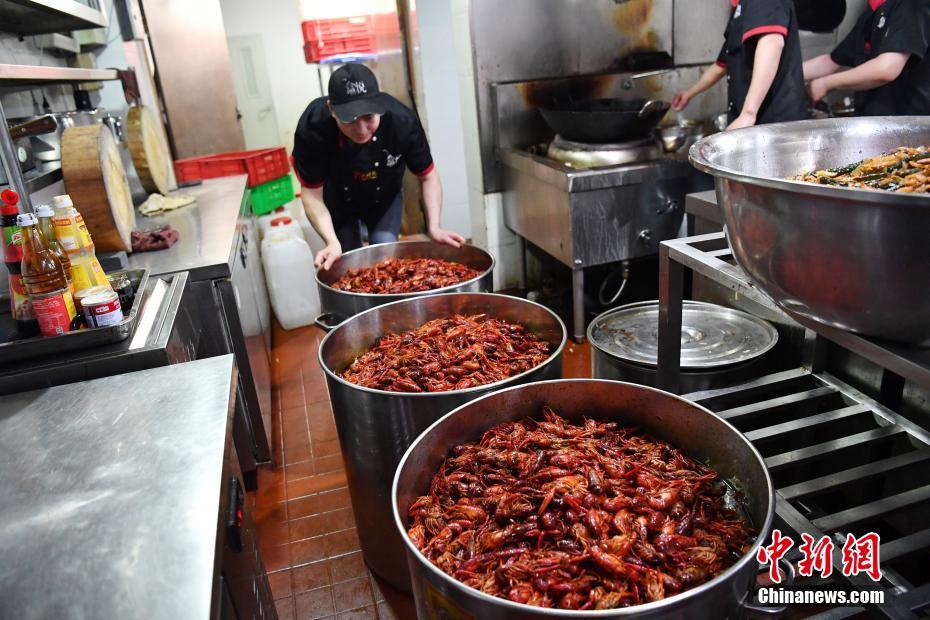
{"points": [[600, 121], [693, 429], [855, 259]]}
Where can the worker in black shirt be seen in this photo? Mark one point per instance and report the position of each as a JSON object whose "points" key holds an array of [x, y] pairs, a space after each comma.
{"points": [[350, 151], [888, 52], [761, 57]]}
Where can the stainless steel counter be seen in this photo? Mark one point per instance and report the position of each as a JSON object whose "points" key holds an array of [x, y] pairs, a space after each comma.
{"points": [[109, 492], [207, 231]]}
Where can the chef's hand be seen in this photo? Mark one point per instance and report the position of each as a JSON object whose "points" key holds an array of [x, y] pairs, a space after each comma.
{"points": [[681, 100], [446, 236], [746, 119], [817, 89], [327, 256]]}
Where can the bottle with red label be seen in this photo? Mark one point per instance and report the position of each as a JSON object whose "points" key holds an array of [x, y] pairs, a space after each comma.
{"points": [[44, 277], [20, 306]]}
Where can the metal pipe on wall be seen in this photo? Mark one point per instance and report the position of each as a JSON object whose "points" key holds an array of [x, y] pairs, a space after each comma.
{"points": [[11, 167]]}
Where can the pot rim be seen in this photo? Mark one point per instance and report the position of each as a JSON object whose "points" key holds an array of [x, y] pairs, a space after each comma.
{"points": [[868, 197], [737, 567], [401, 296], [384, 393], [692, 369]]}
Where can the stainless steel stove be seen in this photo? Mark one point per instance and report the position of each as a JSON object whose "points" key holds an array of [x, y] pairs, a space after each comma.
{"points": [[582, 155]]}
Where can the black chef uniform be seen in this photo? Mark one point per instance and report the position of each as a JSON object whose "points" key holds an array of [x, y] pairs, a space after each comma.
{"points": [[787, 98], [892, 26], [359, 181]]}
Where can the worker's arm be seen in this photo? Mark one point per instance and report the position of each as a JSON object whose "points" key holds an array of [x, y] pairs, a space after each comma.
{"points": [[318, 214], [432, 206], [877, 72], [764, 68], [819, 67], [710, 77]]}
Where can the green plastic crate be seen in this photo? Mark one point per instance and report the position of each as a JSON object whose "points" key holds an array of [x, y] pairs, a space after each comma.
{"points": [[269, 196]]}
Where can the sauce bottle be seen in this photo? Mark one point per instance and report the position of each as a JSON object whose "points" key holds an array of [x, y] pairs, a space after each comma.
{"points": [[45, 214], [45, 281], [20, 306], [71, 233]]}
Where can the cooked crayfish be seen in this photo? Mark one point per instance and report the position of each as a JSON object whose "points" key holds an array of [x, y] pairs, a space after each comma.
{"points": [[454, 353], [590, 516], [404, 275]]}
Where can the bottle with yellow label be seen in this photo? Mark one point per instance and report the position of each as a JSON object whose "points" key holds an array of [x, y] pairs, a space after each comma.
{"points": [[72, 235]]}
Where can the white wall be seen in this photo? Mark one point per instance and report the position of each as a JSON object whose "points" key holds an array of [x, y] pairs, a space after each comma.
{"points": [[442, 112], [294, 83]]}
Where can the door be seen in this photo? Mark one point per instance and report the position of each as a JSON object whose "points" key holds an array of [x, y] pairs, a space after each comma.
{"points": [[253, 92]]}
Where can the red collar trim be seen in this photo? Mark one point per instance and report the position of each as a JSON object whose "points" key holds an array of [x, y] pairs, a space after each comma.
{"points": [[876, 4], [734, 3]]}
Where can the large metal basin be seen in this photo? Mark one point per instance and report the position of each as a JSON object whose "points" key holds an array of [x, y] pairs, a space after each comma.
{"points": [[849, 258], [693, 429], [376, 427], [344, 304]]}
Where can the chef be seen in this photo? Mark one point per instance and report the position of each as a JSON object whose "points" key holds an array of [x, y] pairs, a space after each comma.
{"points": [[350, 151], [761, 58], [884, 59]]}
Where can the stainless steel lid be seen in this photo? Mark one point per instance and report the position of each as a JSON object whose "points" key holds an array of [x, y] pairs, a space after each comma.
{"points": [[711, 335]]}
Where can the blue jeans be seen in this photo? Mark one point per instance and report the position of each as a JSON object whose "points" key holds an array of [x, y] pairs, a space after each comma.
{"points": [[383, 226]]}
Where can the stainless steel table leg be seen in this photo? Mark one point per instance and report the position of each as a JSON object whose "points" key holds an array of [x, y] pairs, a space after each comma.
{"points": [[521, 265], [671, 285], [578, 304]]}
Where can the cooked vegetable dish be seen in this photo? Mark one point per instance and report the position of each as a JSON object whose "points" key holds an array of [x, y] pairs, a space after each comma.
{"points": [[905, 170]]}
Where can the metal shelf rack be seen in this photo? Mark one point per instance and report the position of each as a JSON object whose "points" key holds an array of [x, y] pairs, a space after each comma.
{"points": [[25, 17], [842, 462], [13, 77]]}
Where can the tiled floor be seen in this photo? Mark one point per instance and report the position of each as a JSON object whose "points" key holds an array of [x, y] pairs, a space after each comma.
{"points": [[306, 529]]}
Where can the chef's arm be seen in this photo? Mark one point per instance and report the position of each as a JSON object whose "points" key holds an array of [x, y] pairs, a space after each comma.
{"points": [[764, 68], [432, 206], [819, 67], [318, 214], [711, 76], [877, 72]]}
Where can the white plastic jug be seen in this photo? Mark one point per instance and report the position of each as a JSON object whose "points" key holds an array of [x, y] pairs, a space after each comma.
{"points": [[264, 221], [289, 273], [297, 213]]}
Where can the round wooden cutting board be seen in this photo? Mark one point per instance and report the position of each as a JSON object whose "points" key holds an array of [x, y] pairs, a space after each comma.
{"points": [[96, 180], [149, 149]]}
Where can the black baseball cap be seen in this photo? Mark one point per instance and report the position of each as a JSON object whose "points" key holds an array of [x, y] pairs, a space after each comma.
{"points": [[354, 92]]}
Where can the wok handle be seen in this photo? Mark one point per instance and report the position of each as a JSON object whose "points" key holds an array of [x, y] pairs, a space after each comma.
{"points": [[653, 105], [748, 607]]}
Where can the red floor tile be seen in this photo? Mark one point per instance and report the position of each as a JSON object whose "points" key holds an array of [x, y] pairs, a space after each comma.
{"points": [[305, 524]]}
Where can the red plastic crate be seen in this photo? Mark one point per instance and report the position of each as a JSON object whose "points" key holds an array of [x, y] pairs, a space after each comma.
{"points": [[325, 29], [262, 165], [315, 51]]}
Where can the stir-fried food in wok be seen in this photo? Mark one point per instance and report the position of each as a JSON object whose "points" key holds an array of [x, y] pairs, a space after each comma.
{"points": [[905, 169], [404, 275], [454, 353], [589, 516]]}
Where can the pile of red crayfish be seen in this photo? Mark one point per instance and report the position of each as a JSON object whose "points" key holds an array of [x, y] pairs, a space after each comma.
{"points": [[404, 275], [453, 353], [587, 517]]}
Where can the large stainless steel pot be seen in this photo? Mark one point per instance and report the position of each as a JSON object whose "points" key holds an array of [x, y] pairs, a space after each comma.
{"points": [[375, 427], [344, 304], [684, 424], [854, 259], [719, 346]]}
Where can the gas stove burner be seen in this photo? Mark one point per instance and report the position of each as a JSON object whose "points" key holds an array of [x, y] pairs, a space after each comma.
{"points": [[588, 155]]}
